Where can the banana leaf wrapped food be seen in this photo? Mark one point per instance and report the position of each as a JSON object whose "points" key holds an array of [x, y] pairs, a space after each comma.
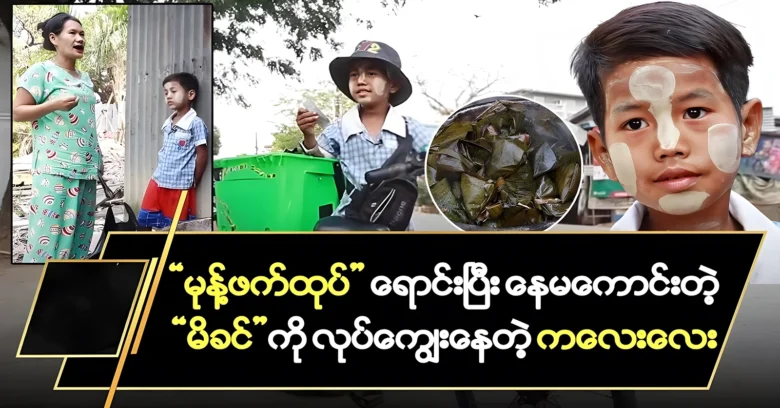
{"points": [[476, 194], [449, 205], [504, 165]]}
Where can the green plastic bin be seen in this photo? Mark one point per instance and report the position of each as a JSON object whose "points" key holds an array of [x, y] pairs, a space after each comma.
{"points": [[276, 192]]}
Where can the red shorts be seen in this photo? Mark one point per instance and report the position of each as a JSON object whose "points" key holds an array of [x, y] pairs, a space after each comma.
{"points": [[159, 206]]}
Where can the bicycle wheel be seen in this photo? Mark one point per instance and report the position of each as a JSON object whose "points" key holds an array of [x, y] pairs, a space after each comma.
{"points": [[467, 399]]}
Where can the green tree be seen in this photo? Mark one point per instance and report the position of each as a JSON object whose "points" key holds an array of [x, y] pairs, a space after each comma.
{"points": [[27, 50], [105, 55], [301, 21], [327, 97]]}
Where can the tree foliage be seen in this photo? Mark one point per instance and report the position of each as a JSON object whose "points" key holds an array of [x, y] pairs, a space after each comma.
{"points": [[470, 88], [327, 97], [104, 58], [301, 22]]}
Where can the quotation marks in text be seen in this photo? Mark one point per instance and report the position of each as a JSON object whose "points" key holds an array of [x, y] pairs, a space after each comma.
{"points": [[176, 267], [219, 287], [219, 339], [356, 266], [181, 320]]}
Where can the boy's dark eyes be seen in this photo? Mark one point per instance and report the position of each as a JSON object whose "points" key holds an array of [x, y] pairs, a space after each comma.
{"points": [[692, 113], [354, 74], [695, 113], [635, 124]]}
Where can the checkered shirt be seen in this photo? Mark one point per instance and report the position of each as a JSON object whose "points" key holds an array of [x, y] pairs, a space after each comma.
{"points": [[176, 160], [348, 141]]}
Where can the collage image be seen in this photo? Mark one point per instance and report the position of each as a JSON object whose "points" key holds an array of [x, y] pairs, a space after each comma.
{"points": [[391, 116], [359, 141]]}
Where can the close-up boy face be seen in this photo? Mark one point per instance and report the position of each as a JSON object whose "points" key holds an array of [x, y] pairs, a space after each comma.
{"points": [[176, 97], [673, 138], [369, 84]]}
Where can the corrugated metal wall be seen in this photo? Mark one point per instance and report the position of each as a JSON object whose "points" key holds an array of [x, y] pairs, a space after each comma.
{"points": [[163, 39]]}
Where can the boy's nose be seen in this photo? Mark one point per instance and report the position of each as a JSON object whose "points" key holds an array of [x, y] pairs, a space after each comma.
{"points": [[680, 150]]}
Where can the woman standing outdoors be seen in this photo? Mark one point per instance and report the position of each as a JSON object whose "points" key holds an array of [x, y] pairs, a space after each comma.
{"points": [[59, 101]]}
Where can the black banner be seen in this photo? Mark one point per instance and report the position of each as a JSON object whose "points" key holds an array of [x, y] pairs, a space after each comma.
{"points": [[82, 308], [669, 337]]}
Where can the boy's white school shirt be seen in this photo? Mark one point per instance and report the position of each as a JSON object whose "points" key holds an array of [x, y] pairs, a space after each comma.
{"points": [[767, 269], [350, 124]]}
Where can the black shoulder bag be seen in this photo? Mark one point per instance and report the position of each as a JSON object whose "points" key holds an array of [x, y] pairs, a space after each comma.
{"points": [[390, 202]]}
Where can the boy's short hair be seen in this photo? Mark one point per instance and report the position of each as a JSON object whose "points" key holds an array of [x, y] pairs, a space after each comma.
{"points": [[662, 29], [385, 66], [187, 81]]}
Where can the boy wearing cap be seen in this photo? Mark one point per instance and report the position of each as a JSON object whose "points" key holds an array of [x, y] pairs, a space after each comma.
{"points": [[368, 134]]}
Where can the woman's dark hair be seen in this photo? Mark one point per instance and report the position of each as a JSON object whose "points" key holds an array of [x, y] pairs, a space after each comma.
{"points": [[54, 25], [662, 29]]}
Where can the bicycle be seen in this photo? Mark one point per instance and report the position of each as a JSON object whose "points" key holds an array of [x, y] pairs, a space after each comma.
{"points": [[112, 199]]}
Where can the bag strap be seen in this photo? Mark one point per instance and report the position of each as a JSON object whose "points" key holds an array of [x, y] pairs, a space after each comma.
{"points": [[403, 149]]}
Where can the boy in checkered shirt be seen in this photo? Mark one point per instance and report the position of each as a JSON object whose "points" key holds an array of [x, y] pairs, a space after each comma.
{"points": [[182, 159], [366, 135]]}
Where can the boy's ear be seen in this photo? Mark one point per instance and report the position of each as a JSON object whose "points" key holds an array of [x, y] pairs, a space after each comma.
{"points": [[752, 118], [601, 153], [394, 87], [191, 95]]}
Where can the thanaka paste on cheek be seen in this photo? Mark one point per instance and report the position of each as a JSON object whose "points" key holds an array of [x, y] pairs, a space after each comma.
{"points": [[655, 84], [379, 88], [624, 166], [723, 146], [687, 202]]}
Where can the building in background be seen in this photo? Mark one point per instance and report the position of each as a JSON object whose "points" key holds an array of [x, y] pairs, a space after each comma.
{"points": [[564, 105], [759, 179], [603, 200], [163, 40]]}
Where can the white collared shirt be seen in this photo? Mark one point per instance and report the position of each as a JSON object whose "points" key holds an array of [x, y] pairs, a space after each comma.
{"points": [[176, 159], [348, 141], [767, 268]]}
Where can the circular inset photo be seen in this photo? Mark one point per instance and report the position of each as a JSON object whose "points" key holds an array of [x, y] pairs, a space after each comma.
{"points": [[504, 163]]}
